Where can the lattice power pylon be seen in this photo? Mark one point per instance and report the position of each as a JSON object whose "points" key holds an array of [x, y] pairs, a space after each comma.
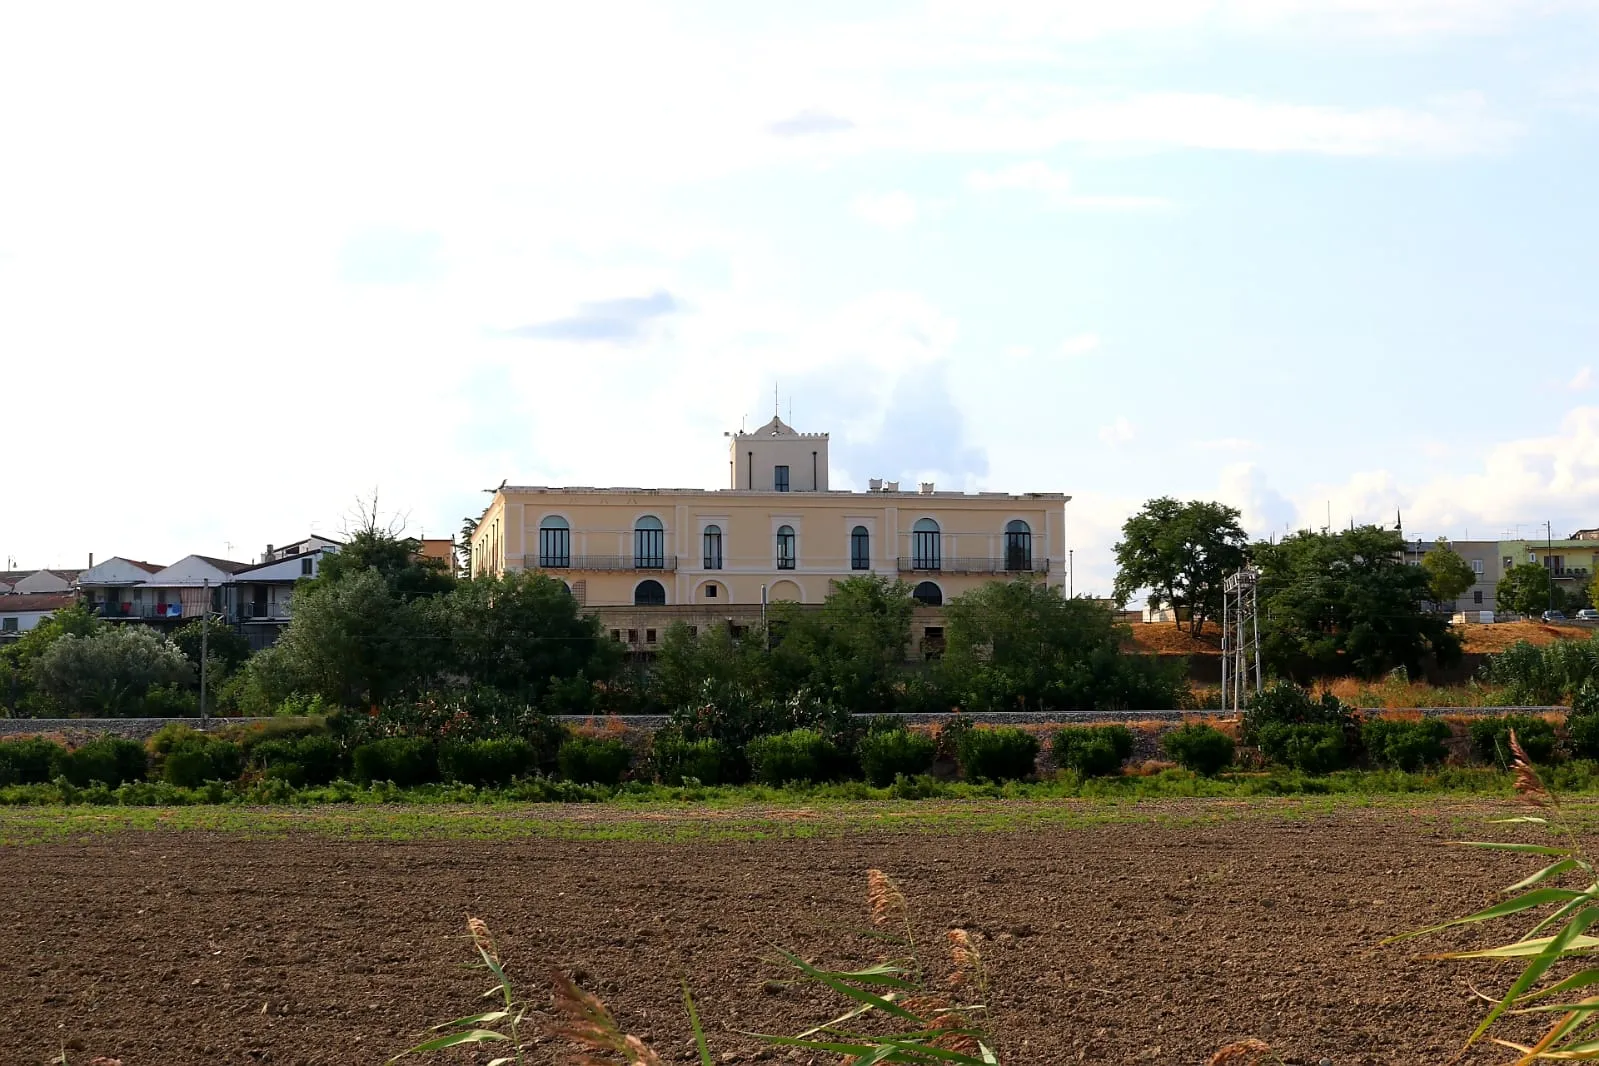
{"points": [[1240, 637]]}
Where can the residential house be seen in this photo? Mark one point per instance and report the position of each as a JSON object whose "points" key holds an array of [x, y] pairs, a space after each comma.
{"points": [[643, 558], [172, 594], [1571, 561], [441, 549], [103, 584], [261, 594], [20, 612]]}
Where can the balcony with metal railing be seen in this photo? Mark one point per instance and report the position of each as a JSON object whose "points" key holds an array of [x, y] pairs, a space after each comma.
{"points": [[600, 562], [144, 611], [962, 564], [269, 611], [1570, 573]]}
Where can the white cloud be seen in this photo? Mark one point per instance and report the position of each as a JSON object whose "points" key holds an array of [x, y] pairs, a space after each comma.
{"points": [[890, 210], [1118, 432], [1581, 380]]}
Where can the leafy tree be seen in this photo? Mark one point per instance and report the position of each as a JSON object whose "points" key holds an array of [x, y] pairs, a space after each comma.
{"points": [[396, 559], [1019, 646], [1182, 553], [852, 651], [711, 666], [1524, 589], [108, 673], [354, 640], [519, 634], [463, 548], [18, 695], [225, 646], [1448, 574], [1347, 603]]}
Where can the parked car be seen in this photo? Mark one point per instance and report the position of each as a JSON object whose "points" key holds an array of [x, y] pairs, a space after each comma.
{"points": [[1554, 616], [1588, 614]]}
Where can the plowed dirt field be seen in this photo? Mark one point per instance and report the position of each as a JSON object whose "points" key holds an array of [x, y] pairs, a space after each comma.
{"points": [[1108, 944]]}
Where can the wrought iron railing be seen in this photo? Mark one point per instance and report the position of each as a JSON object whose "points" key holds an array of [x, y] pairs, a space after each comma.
{"points": [[601, 562], [962, 564]]}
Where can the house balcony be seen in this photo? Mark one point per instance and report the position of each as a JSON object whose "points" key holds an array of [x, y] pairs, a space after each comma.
{"points": [[960, 564], [263, 612], [601, 562], [138, 611], [1571, 573]]}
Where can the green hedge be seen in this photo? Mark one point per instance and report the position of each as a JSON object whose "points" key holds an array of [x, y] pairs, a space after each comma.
{"points": [[1204, 749], [109, 760], [31, 761], [1092, 750], [800, 755], [887, 754], [588, 761], [675, 760], [1003, 754], [307, 759], [1490, 738], [406, 761], [487, 763], [1402, 745], [1311, 749]]}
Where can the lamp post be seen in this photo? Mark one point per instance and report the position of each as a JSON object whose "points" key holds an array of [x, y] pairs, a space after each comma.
{"points": [[1548, 546]]}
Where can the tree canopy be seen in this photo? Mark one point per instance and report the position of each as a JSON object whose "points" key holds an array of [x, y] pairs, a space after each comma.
{"points": [[1448, 574], [1347, 603], [1020, 646], [1525, 589], [1182, 553]]}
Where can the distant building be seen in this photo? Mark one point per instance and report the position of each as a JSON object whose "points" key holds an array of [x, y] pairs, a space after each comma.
{"points": [[441, 549], [20, 612], [643, 557]]}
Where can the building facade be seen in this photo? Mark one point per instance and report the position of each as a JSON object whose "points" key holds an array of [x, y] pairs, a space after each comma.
{"points": [[777, 533]]}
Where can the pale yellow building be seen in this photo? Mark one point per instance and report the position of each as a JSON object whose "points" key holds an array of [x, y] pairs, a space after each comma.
{"points": [[776, 533]]}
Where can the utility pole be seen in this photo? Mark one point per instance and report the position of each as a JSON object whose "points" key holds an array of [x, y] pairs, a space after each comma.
{"points": [[1548, 546], [205, 633], [1070, 576]]}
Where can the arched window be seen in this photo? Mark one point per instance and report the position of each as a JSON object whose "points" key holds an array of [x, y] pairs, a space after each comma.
{"points": [[860, 549], [926, 553], [555, 542], [649, 544], [713, 547], [650, 593], [785, 547], [1018, 546], [928, 595]]}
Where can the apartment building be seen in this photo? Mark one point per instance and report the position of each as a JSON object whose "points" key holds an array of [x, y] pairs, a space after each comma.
{"points": [[778, 532]]}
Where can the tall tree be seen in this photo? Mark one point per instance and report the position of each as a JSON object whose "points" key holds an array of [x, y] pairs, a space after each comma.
{"points": [[1347, 603], [108, 673], [463, 548], [1449, 575], [354, 640], [1524, 589], [519, 634], [1182, 553], [397, 560], [1020, 646], [852, 651]]}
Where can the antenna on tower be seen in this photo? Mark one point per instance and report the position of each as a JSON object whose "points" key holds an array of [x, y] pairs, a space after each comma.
{"points": [[776, 410]]}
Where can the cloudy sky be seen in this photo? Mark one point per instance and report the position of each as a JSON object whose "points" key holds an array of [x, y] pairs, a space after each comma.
{"points": [[1299, 255]]}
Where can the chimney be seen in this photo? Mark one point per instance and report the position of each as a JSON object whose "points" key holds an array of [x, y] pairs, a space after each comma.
{"points": [[91, 560], [267, 558], [927, 488], [890, 486], [876, 484]]}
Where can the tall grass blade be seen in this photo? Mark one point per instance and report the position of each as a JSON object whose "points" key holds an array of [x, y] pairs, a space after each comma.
{"points": [[699, 1031], [1538, 897]]}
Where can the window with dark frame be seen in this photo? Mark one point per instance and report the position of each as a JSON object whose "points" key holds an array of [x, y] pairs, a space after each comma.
{"points": [[305, 567], [650, 593], [1018, 546], [710, 592], [649, 544], [780, 478], [713, 547], [860, 549], [555, 543], [632, 636], [649, 636], [616, 635], [926, 549], [785, 547], [1476, 597]]}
